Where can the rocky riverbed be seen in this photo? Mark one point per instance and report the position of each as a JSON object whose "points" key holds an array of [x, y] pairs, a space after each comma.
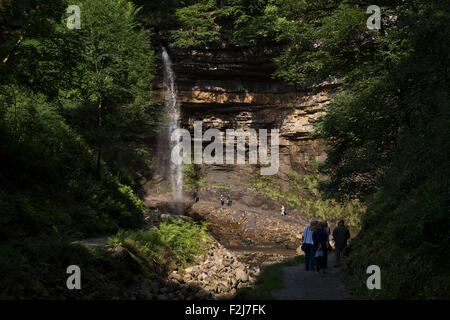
{"points": [[217, 275], [252, 220]]}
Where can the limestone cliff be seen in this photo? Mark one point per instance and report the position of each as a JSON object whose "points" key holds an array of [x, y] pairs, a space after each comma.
{"points": [[233, 88]]}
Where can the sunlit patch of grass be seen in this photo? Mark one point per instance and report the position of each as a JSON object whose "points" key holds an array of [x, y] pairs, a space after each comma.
{"points": [[173, 244], [270, 279], [303, 194]]}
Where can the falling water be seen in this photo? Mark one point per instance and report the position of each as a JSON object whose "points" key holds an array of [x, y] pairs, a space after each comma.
{"points": [[165, 167]]}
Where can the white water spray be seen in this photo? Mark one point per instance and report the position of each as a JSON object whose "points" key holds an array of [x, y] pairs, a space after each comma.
{"points": [[165, 166]]}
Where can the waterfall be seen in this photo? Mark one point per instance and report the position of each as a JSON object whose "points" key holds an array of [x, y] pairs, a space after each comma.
{"points": [[164, 166]]}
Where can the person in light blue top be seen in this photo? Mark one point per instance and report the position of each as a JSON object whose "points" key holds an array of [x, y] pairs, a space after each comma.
{"points": [[308, 245]]}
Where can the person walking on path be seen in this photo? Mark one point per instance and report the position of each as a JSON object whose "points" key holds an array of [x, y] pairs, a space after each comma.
{"points": [[228, 200], [307, 245], [328, 246], [327, 230], [195, 196], [283, 211], [222, 200], [320, 239], [340, 237]]}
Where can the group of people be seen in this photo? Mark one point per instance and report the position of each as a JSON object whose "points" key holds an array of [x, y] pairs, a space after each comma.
{"points": [[222, 200], [316, 244]]}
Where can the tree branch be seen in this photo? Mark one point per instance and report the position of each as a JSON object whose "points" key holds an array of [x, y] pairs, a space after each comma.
{"points": [[22, 37]]}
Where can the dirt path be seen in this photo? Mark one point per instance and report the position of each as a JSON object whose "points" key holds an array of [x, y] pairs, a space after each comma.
{"points": [[312, 285]]}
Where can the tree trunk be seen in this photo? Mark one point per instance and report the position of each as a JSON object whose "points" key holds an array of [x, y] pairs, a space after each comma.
{"points": [[22, 37]]}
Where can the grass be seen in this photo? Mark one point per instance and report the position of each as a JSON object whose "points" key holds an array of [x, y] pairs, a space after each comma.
{"points": [[270, 279], [221, 186], [174, 244], [303, 194]]}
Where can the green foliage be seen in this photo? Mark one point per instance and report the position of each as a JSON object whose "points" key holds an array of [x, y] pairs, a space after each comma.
{"points": [[65, 94], [75, 101], [99, 77], [303, 194], [387, 130], [110, 104], [160, 250], [38, 152], [208, 22], [198, 28], [192, 176], [36, 269], [409, 241], [324, 39]]}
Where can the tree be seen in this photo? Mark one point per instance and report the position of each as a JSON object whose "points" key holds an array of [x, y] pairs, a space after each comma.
{"points": [[115, 75], [387, 131]]}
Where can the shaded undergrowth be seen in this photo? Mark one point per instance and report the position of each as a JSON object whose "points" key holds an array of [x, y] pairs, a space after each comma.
{"points": [[36, 268]]}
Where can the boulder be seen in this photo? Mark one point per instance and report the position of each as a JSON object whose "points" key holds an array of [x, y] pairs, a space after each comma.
{"points": [[177, 277], [241, 275]]}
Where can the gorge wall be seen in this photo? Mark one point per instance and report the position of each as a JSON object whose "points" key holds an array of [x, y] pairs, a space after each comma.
{"points": [[233, 88]]}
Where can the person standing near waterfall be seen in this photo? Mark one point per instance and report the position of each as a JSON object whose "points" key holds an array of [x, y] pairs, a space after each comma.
{"points": [[196, 198], [228, 200]]}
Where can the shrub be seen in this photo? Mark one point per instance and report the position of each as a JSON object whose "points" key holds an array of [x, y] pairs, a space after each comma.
{"points": [[36, 269], [173, 244]]}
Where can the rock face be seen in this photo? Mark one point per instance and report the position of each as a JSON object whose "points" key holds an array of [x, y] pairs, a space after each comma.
{"points": [[233, 88]]}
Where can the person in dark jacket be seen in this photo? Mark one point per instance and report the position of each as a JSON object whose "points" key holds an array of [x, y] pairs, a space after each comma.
{"points": [[340, 237], [228, 200], [320, 239], [195, 196], [328, 246]]}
